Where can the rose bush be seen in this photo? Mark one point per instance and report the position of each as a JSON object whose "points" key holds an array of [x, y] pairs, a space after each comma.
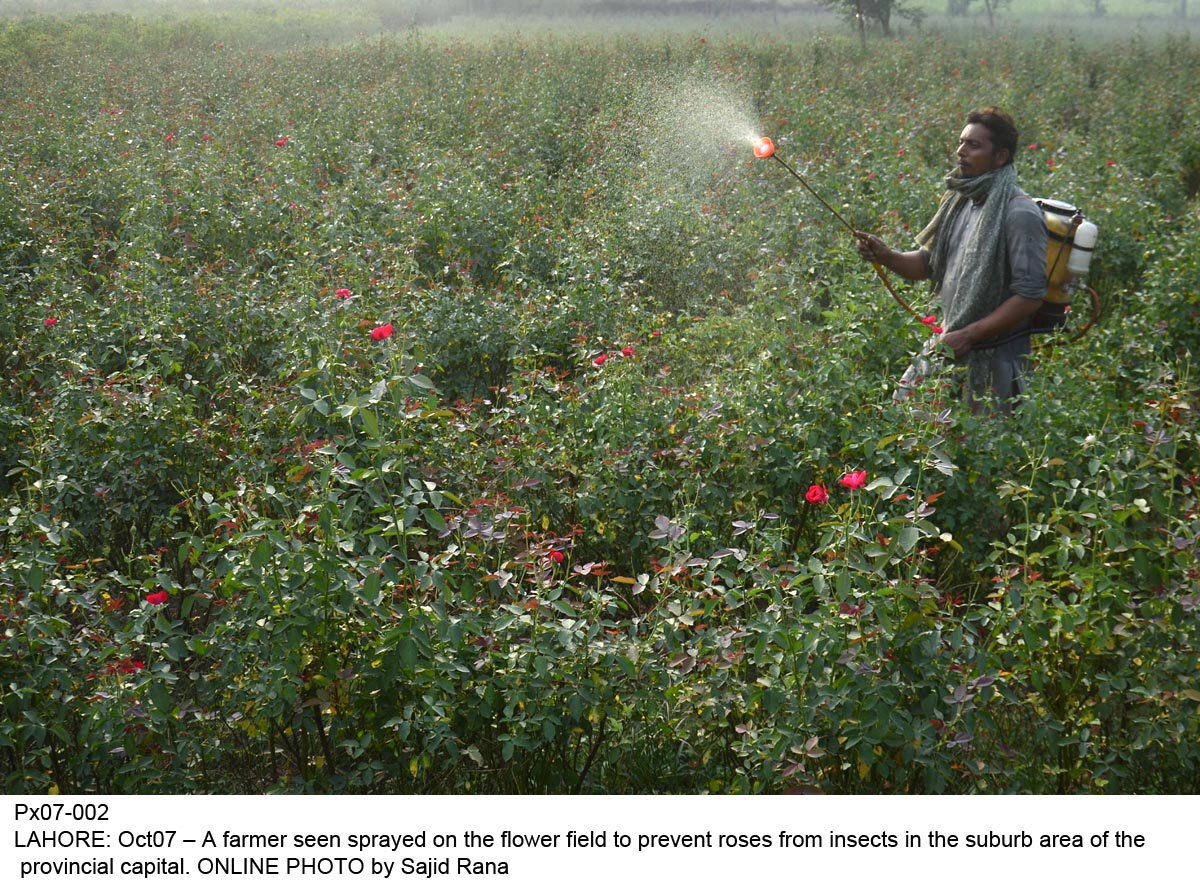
{"points": [[623, 502]]}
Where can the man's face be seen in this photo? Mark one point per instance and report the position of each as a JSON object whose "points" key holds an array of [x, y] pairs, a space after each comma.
{"points": [[976, 155]]}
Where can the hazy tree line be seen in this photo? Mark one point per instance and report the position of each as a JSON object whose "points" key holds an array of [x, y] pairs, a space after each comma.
{"points": [[867, 15], [879, 15], [696, 8]]}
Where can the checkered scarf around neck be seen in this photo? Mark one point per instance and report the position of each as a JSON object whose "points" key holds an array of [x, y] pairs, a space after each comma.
{"points": [[981, 274]]}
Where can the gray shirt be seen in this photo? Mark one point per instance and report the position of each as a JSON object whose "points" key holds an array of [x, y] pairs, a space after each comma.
{"points": [[1024, 276], [1025, 251]]}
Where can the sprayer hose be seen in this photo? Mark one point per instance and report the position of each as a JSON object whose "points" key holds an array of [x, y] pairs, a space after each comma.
{"points": [[1094, 299], [883, 276]]}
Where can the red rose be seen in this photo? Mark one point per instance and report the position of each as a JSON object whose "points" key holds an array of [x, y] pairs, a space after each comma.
{"points": [[125, 666], [556, 556], [937, 328], [816, 494], [929, 319], [282, 142], [382, 332], [342, 293], [600, 359], [50, 322], [157, 599], [854, 480], [627, 350]]}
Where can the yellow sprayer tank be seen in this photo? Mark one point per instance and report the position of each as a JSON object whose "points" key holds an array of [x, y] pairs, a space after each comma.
{"points": [[1068, 248]]}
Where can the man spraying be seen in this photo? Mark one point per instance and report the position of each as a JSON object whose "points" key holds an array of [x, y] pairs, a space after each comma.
{"points": [[984, 252]]}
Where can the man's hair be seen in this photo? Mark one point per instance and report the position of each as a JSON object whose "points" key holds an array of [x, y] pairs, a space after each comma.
{"points": [[1000, 125]]}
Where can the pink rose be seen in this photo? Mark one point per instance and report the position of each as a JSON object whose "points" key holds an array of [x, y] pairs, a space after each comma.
{"points": [[854, 480]]}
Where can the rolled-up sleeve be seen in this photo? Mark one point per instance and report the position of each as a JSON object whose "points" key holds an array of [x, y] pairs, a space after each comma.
{"points": [[1025, 233]]}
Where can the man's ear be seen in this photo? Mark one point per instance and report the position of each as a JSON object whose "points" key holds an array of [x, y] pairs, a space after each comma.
{"points": [[1004, 156]]}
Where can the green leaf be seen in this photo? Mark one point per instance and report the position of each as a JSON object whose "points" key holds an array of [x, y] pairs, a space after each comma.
{"points": [[907, 539], [161, 699], [407, 650], [371, 588], [261, 555], [575, 706], [370, 423], [842, 584]]}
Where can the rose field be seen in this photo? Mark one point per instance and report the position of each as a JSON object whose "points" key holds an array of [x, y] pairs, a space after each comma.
{"points": [[430, 412]]}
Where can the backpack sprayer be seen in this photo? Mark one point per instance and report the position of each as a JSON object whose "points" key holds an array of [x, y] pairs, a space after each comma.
{"points": [[1071, 240], [1073, 237]]}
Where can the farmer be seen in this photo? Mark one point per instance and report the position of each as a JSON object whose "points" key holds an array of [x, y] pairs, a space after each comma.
{"points": [[985, 254]]}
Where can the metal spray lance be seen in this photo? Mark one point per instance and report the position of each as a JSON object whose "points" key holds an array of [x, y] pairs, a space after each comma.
{"points": [[765, 148]]}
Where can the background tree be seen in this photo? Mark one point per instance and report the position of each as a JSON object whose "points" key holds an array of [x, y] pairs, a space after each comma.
{"points": [[880, 12], [959, 8], [1181, 6]]}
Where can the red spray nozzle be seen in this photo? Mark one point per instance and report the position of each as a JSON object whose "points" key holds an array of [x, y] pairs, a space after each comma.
{"points": [[763, 147]]}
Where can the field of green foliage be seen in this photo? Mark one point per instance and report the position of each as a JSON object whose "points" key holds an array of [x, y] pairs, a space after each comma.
{"points": [[419, 414]]}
